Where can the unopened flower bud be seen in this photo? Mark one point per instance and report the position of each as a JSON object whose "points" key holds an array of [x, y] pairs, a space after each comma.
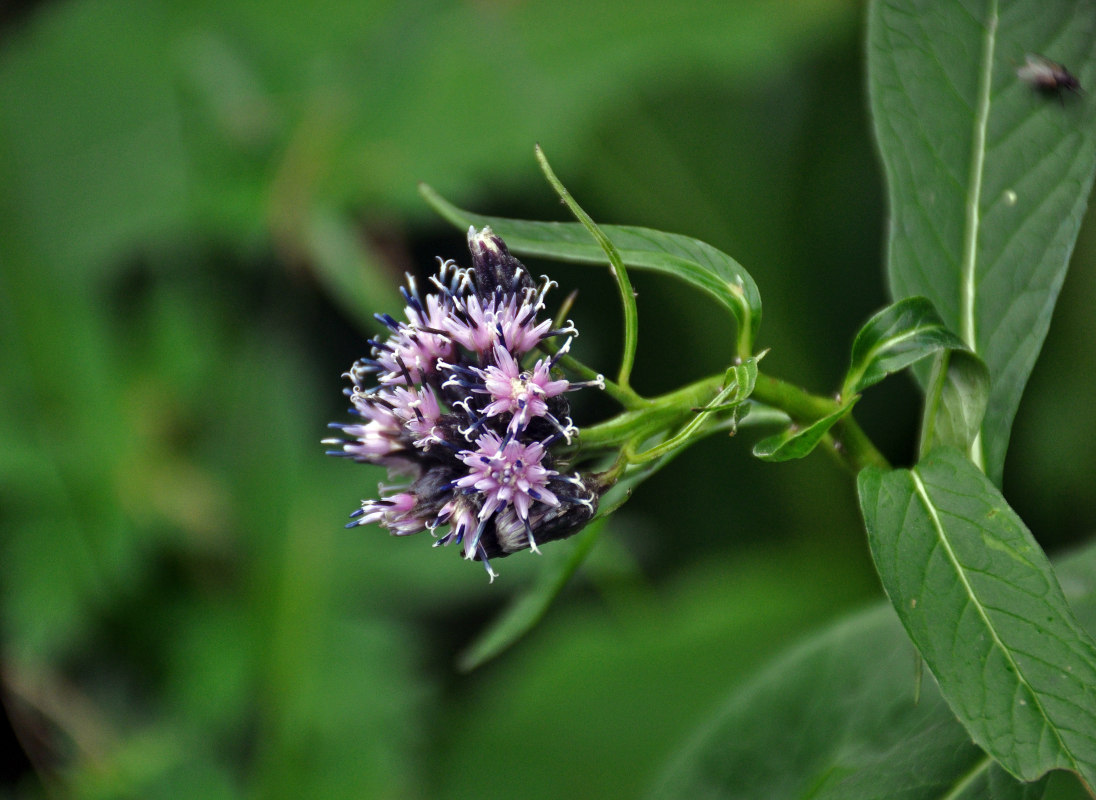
{"points": [[493, 265]]}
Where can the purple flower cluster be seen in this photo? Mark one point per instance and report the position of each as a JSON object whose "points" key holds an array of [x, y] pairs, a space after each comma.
{"points": [[445, 403]]}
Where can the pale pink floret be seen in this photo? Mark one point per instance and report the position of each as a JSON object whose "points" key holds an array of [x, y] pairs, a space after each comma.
{"points": [[521, 393], [500, 320], [380, 436], [419, 410], [413, 351], [393, 513], [507, 473]]}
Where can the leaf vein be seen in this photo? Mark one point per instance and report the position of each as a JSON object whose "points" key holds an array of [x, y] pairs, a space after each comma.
{"points": [[972, 599]]}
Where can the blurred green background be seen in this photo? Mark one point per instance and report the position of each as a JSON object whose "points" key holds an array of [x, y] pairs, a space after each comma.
{"points": [[200, 204]]}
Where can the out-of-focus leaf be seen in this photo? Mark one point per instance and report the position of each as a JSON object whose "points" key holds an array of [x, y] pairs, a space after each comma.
{"points": [[799, 442], [837, 718], [983, 606], [527, 609], [177, 114], [637, 669], [695, 262], [987, 177], [348, 268], [848, 694]]}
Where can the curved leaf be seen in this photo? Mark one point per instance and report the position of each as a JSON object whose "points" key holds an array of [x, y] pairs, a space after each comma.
{"points": [[690, 260], [983, 606], [987, 177], [899, 335], [799, 442], [616, 267], [955, 401]]}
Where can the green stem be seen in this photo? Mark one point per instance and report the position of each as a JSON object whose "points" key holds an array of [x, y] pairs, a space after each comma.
{"points": [[657, 415], [848, 441], [624, 395], [681, 411]]}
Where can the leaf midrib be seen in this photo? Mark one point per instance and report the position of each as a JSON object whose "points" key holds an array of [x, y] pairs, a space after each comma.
{"points": [[938, 527], [973, 219]]}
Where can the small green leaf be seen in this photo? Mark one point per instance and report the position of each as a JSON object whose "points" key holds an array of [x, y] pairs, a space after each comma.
{"points": [[528, 608], [798, 442], [744, 377], [688, 259], [983, 605], [901, 335], [896, 337], [987, 178]]}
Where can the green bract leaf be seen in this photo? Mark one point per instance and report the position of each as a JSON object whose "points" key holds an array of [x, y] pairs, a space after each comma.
{"points": [[690, 260], [987, 177], [798, 442], [903, 334], [899, 335], [982, 604], [837, 718]]}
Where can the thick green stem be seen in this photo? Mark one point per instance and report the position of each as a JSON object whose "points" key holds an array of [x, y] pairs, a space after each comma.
{"points": [[847, 440]]}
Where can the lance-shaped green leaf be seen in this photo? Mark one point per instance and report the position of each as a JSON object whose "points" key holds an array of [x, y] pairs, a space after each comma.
{"points": [[983, 605], [798, 442], [987, 176], [688, 259]]}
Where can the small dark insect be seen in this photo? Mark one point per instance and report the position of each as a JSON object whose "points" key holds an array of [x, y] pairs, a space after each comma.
{"points": [[1047, 76]]}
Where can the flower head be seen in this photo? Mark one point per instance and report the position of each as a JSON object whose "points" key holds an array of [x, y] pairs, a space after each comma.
{"points": [[454, 402]]}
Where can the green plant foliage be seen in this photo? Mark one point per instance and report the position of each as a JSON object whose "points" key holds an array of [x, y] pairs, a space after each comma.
{"points": [[695, 262], [955, 401], [983, 606], [987, 177], [798, 442], [839, 717], [903, 334], [896, 337], [203, 205]]}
